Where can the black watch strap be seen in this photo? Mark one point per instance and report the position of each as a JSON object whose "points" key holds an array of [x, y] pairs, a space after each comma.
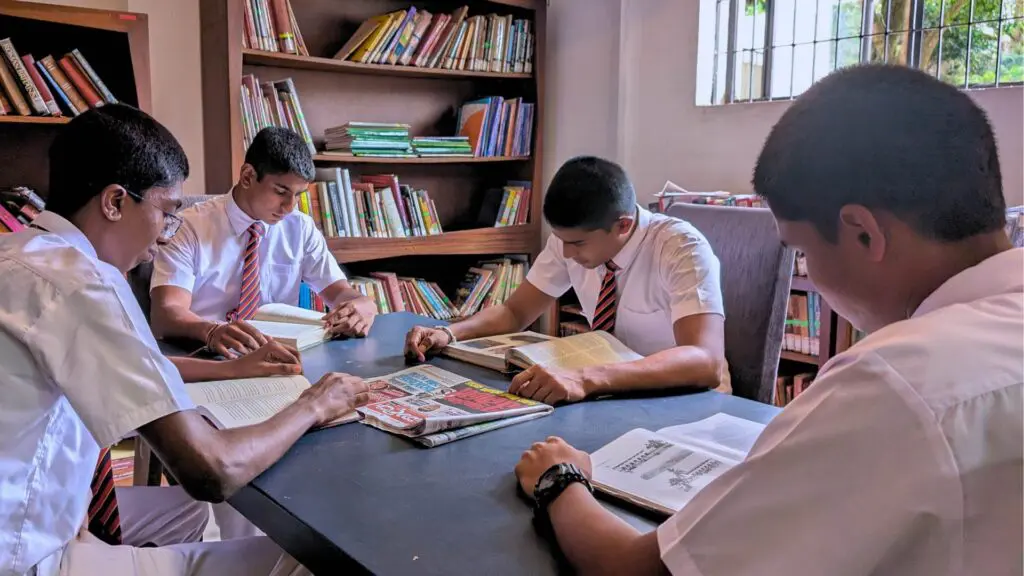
{"points": [[554, 481]]}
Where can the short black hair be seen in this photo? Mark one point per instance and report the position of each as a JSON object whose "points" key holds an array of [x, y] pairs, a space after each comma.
{"points": [[590, 193], [278, 150], [112, 144], [890, 138]]}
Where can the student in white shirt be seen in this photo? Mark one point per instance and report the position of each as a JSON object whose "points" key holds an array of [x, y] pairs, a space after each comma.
{"points": [[649, 279], [82, 369], [904, 456], [197, 288]]}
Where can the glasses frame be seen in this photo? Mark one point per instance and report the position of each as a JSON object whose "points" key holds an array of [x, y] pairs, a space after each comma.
{"points": [[172, 222]]}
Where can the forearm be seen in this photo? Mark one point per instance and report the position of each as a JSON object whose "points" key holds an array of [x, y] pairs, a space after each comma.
{"points": [[679, 367], [490, 321], [199, 370], [335, 298], [180, 322], [595, 541]]}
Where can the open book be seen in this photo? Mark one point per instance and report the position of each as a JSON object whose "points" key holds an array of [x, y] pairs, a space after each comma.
{"points": [[664, 470], [244, 402], [524, 349], [434, 406], [291, 325]]}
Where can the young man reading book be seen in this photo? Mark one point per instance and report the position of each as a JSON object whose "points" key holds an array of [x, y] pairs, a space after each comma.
{"points": [[82, 370], [649, 279], [904, 456], [251, 247]]}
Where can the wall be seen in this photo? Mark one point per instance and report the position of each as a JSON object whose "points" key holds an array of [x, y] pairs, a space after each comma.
{"points": [[174, 70], [715, 147]]}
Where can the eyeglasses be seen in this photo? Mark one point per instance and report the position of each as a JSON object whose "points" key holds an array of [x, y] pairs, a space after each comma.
{"points": [[171, 221]]}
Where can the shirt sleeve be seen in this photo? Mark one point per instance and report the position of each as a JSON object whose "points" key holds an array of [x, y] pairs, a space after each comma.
{"points": [[319, 267], [91, 345], [549, 273], [690, 273], [176, 262], [851, 471]]}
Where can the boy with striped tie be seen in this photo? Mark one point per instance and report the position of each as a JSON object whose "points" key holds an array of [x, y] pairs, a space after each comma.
{"points": [[649, 279]]}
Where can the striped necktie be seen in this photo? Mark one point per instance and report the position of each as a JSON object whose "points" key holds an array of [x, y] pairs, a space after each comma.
{"points": [[249, 296], [607, 301], [104, 518]]}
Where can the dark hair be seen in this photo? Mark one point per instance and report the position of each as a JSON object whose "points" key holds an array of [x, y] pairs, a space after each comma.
{"points": [[589, 193], [277, 150], [113, 144], [889, 138]]}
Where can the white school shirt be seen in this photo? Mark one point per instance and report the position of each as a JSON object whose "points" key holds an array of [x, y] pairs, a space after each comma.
{"points": [[667, 272], [903, 458], [81, 370], [205, 258]]}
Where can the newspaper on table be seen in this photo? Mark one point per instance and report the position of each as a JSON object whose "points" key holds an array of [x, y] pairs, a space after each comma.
{"points": [[423, 401], [664, 470]]}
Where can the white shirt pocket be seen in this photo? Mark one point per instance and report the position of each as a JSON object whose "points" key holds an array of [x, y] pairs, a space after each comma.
{"points": [[281, 283], [645, 332]]}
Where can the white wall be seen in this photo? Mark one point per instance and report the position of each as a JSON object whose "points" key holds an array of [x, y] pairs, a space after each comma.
{"points": [[174, 70], [715, 147]]}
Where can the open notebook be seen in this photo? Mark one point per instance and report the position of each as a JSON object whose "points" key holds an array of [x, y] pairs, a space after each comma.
{"points": [[524, 349], [664, 470], [291, 325], [244, 402]]}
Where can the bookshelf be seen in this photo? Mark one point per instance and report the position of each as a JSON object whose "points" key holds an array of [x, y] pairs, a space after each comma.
{"points": [[333, 92], [116, 44]]}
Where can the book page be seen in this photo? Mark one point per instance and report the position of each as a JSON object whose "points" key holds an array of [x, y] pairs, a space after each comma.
{"points": [[288, 313], [249, 411], [720, 434], [652, 471], [495, 346], [576, 351], [220, 391]]}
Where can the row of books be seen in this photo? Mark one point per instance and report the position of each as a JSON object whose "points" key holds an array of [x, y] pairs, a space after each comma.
{"points": [[375, 206], [416, 37], [19, 206], [266, 104], [803, 323], [497, 127], [49, 87], [507, 206], [489, 284], [270, 26], [789, 387]]}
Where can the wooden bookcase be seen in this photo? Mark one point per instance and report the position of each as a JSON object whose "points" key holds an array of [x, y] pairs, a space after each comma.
{"points": [[116, 45], [333, 92]]}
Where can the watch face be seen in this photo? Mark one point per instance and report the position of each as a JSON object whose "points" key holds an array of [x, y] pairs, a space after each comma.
{"points": [[549, 477]]}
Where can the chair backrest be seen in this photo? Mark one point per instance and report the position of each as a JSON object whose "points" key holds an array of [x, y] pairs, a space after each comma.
{"points": [[139, 277], [756, 275]]}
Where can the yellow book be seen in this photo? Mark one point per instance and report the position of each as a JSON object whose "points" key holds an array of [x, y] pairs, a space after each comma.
{"points": [[362, 53]]}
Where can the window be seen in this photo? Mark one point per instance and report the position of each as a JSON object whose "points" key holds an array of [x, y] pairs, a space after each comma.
{"points": [[753, 50]]}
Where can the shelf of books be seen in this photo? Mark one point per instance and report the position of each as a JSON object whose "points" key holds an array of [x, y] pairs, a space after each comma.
{"points": [[423, 121]]}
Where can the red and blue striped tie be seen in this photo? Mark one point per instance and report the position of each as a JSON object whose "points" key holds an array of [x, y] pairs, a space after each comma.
{"points": [[249, 296], [607, 301], [104, 517]]}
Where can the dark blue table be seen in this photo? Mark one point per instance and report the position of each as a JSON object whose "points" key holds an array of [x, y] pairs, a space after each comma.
{"points": [[353, 499]]}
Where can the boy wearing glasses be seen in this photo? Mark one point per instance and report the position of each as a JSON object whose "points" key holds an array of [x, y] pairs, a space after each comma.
{"points": [[251, 247]]}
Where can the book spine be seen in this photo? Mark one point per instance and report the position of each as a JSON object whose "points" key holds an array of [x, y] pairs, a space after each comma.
{"points": [[56, 89], [44, 92], [10, 221], [80, 82], [11, 86], [93, 76], [14, 61], [283, 25]]}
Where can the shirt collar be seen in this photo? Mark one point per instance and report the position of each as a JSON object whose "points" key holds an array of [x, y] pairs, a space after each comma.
{"points": [[628, 253], [239, 220], [56, 224], [999, 274]]}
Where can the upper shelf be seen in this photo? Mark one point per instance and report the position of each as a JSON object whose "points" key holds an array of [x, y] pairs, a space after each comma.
{"points": [[280, 60], [342, 159], [34, 119]]}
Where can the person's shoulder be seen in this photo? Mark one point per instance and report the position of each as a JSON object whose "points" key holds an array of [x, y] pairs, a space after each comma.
{"points": [[664, 228], [47, 264]]}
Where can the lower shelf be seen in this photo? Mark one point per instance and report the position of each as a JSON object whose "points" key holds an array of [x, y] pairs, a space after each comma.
{"points": [[508, 240], [799, 357]]}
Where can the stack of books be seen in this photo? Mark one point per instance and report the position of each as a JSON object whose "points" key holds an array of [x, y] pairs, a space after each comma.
{"points": [[442, 146], [489, 284], [270, 25], [369, 139], [266, 104], [49, 87], [416, 37], [19, 206], [497, 127]]}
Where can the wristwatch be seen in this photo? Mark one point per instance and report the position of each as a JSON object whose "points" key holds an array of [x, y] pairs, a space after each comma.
{"points": [[448, 331], [554, 481]]}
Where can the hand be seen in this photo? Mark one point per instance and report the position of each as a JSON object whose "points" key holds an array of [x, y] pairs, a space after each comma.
{"points": [[335, 395], [271, 359], [543, 455], [422, 340], [550, 385], [234, 339], [351, 318]]}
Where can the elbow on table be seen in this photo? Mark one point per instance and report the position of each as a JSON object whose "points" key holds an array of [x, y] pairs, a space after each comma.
{"points": [[710, 372]]}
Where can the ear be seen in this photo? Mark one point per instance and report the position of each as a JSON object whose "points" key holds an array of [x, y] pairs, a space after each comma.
{"points": [[858, 227], [622, 226], [247, 176], [112, 200]]}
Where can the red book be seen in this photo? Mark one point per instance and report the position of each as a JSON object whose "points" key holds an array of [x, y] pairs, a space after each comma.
{"points": [[44, 90], [10, 221], [80, 82]]}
